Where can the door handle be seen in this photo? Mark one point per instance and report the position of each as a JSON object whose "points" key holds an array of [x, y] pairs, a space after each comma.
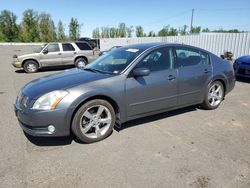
{"points": [[74, 52], [206, 71], [171, 77], [59, 53]]}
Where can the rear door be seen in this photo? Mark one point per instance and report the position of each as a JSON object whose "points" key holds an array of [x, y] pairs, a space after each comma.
{"points": [[156, 91], [86, 50], [53, 57], [68, 54], [194, 73]]}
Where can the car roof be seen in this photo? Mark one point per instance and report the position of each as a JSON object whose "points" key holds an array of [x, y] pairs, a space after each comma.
{"points": [[145, 46]]}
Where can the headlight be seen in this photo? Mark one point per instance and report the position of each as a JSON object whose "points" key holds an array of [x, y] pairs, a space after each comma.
{"points": [[50, 100]]}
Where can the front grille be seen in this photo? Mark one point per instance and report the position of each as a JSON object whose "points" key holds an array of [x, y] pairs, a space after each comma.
{"points": [[241, 71], [243, 63], [244, 71]]}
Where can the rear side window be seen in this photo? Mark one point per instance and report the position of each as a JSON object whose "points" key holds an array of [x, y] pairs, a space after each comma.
{"points": [[53, 48], [191, 57], [83, 46], [68, 47], [157, 60]]}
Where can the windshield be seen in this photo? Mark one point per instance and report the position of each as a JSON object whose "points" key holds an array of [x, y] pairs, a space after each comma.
{"points": [[115, 61]]}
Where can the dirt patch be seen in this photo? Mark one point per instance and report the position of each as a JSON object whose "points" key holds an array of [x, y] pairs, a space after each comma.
{"points": [[201, 182]]}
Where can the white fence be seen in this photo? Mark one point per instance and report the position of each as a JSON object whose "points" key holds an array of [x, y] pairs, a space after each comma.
{"points": [[238, 43]]}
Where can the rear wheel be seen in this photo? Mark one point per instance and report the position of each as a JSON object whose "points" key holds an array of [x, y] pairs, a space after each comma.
{"points": [[214, 95], [30, 66], [94, 121], [80, 63]]}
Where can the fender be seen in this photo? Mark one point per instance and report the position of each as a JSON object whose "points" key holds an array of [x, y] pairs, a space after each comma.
{"points": [[101, 93], [34, 59]]}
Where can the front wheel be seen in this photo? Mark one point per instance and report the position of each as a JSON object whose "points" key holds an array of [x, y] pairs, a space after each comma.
{"points": [[30, 66], [214, 95], [93, 121]]}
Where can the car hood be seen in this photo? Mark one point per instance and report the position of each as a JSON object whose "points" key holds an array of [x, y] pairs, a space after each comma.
{"points": [[27, 55], [245, 59], [60, 81]]}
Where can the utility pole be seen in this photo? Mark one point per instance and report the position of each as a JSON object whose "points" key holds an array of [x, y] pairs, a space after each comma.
{"points": [[191, 25]]}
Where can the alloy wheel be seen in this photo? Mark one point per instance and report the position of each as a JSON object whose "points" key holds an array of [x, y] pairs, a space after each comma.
{"points": [[215, 94], [95, 121]]}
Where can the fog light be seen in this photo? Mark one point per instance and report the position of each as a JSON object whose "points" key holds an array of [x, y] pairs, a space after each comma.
{"points": [[51, 129]]}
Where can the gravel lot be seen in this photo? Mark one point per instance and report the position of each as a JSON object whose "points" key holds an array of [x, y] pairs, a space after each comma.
{"points": [[190, 147]]}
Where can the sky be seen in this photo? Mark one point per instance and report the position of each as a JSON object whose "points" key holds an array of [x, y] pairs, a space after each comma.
{"points": [[151, 15]]}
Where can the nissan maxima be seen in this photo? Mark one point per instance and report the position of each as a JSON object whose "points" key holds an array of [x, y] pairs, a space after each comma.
{"points": [[128, 83]]}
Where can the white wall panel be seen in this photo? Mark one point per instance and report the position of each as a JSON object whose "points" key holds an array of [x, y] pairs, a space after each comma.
{"points": [[238, 43]]}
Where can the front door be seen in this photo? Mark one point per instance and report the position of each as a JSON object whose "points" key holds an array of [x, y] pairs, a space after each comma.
{"points": [[156, 91], [52, 57]]}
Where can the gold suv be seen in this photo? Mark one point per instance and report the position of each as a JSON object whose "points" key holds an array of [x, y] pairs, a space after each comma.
{"points": [[56, 54]]}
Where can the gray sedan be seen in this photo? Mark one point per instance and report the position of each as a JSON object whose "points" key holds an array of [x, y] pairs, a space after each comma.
{"points": [[127, 83]]}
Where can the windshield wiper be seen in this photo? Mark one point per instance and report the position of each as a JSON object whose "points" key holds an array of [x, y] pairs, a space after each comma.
{"points": [[97, 70], [92, 70]]}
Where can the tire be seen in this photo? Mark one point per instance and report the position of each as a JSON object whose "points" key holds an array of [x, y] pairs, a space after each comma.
{"points": [[214, 95], [80, 63], [93, 121], [30, 66]]}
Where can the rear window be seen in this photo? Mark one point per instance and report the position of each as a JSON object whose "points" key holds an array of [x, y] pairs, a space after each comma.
{"points": [[83, 46], [191, 57]]}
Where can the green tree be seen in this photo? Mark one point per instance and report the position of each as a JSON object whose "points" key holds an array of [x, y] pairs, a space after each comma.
{"points": [[113, 32], [164, 31], [139, 31], [96, 33], [122, 30], [46, 28], [196, 29], [233, 31], [61, 32], [205, 30], [8, 28], [183, 30], [29, 26], [151, 34], [173, 32], [129, 31], [52, 31], [74, 29], [105, 32]]}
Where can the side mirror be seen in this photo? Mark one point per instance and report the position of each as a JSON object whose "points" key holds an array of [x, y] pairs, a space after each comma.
{"points": [[140, 72], [45, 51]]}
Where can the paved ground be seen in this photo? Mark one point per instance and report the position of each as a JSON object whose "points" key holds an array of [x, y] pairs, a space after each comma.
{"points": [[185, 148]]}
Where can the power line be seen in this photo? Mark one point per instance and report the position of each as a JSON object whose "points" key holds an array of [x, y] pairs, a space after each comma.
{"points": [[168, 18], [232, 26], [225, 9]]}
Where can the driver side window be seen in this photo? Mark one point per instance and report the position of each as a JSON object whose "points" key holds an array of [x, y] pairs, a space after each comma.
{"points": [[53, 48], [157, 60]]}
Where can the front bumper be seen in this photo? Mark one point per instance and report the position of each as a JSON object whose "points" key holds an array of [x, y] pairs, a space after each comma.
{"points": [[17, 64], [242, 70], [36, 123]]}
